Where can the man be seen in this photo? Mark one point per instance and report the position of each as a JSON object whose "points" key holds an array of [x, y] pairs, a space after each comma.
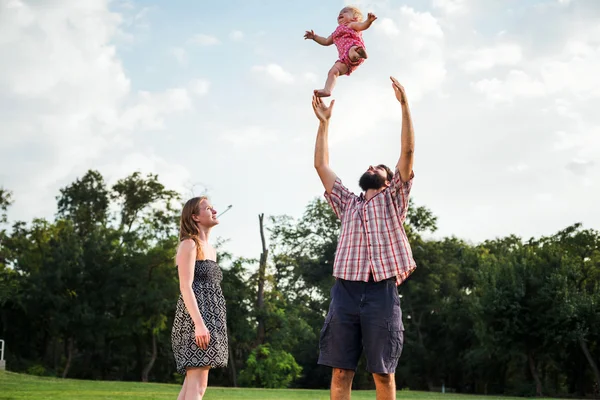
{"points": [[373, 257]]}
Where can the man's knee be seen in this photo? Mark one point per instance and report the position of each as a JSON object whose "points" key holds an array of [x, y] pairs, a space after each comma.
{"points": [[342, 376], [384, 379]]}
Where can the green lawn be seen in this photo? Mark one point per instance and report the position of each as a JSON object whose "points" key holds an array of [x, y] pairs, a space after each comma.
{"points": [[18, 386]]}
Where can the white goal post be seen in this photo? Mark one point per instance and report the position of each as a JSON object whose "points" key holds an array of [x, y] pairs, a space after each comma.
{"points": [[2, 362]]}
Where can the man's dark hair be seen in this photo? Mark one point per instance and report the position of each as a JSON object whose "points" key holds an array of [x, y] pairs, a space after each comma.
{"points": [[390, 174]]}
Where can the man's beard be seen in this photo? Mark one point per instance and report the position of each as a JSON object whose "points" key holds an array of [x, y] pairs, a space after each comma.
{"points": [[371, 181]]}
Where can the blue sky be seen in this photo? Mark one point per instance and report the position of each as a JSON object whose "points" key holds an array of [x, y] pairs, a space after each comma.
{"points": [[216, 97]]}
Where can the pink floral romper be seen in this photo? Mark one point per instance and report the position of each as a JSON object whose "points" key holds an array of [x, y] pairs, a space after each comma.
{"points": [[344, 38]]}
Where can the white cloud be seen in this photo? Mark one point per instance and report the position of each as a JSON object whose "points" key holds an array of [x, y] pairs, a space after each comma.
{"points": [[486, 58], [204, 40], [575, 73], [236, 35], [417, 54], [276, 72], [517, 84], [518, 168], [173, 176], [423, 23], [451, 6], [199, 86], [566, 141], [180, 55], [250, 136], [71, 101], [544, 197], [579, 167], [151, 108], [388, 26], [311, 77], [572, 71]]}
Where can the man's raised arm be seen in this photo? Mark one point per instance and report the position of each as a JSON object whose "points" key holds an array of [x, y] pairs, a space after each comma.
{"points": [[407, 139], [323, 113]]}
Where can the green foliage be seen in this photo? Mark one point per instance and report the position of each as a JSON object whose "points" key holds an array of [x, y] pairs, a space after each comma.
{"points": [[269, 368], [37, 370], [5, 202], [85, 201], [92, 294], [420, 219]]}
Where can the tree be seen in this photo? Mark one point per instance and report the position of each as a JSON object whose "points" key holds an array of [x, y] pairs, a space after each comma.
{"points": [[8, 280], [146, 224], [85, 202], [260, 295], [91, 294], [579, 305], [239, 297], [269, 368], [5, 202]]}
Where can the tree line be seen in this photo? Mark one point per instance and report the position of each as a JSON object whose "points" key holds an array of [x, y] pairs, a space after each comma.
{"points": [[91, 294]]}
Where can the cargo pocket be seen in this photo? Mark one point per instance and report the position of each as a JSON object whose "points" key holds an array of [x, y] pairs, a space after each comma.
{"points": [[325, 335], [395, 338]]}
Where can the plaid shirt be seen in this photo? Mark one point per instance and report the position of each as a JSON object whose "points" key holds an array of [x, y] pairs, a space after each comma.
{"points": [[372, 238]]}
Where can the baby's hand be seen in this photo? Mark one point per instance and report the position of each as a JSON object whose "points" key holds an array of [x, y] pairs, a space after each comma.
{"points": [[371, 17], [309, 35]]}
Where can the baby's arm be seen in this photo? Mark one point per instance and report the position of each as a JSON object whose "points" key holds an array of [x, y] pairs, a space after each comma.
{"points": [[328, 41], [362, 26]]}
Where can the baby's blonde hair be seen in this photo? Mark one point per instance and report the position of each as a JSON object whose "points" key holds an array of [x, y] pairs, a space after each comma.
{"points": [[358, 15]]}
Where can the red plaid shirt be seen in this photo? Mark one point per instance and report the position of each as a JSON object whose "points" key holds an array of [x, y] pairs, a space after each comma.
{"points": [[372, 238]]}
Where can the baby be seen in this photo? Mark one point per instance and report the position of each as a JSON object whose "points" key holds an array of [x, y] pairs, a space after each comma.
{"points": [[348, 40]]}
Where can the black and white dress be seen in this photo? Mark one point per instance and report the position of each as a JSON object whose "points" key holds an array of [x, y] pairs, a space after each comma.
{"points": [[207, 289]]}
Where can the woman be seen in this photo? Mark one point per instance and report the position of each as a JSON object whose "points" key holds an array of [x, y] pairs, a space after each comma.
{"points": [[199, 335]]}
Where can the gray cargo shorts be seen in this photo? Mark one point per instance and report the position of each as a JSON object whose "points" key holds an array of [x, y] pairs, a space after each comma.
{"points": [[363, 315]]}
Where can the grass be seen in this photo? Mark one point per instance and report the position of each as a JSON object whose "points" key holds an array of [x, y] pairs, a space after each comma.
{"points": [[19, 387]]}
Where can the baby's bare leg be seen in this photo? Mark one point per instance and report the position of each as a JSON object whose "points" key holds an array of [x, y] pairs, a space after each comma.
{"points": [[335, 71], [357, 52]]}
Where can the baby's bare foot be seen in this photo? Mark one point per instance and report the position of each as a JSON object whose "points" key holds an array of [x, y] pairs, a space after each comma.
{"points": [[322, 93], [361, 52]]}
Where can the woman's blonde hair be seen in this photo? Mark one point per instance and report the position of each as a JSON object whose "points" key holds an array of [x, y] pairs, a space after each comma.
{"points": [[187, 226], [358, 15]]}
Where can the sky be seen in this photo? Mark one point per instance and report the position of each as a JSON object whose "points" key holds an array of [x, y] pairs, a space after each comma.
{"points": [[215, 97]]}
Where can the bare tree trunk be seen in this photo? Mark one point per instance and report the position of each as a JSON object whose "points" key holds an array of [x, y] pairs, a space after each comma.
{"points": [[534, 373], [260, 298], [232, 363], [150, 364], [588, 356], [70, 350]]}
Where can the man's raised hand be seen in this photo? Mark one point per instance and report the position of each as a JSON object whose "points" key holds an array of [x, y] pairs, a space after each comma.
{"points": [[399, 90], [322, 111]]}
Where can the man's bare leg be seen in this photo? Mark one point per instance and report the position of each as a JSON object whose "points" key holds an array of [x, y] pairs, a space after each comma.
{"points": [[341, 384], [335, 71], [385, 386]]}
